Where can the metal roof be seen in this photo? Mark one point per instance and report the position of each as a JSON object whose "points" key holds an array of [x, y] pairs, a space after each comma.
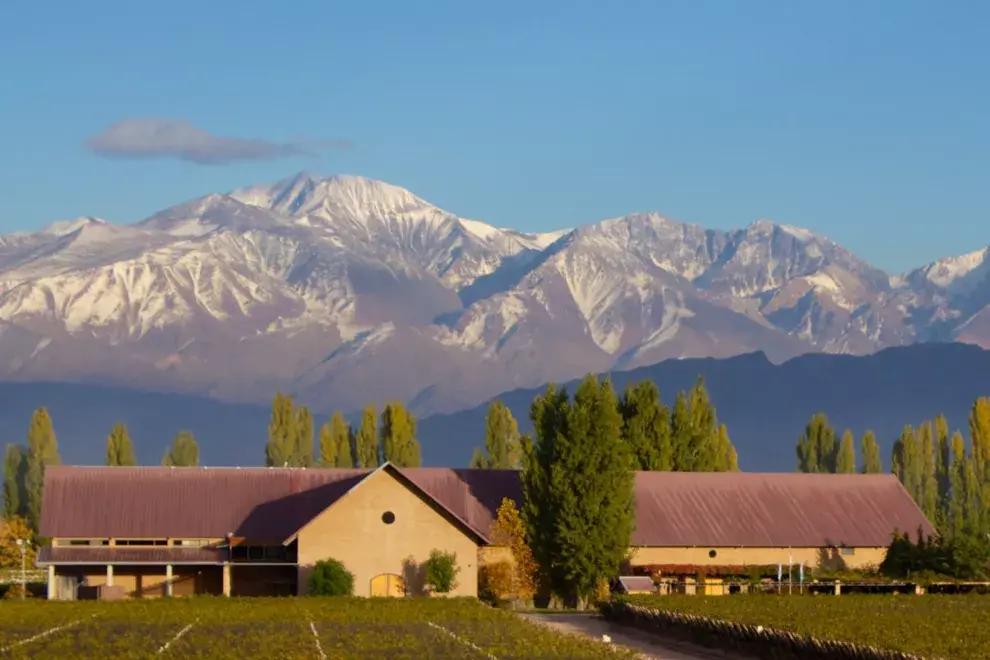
{"points": [[673, 509]]}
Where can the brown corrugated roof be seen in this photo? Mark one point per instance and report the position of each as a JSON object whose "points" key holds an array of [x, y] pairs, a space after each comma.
{"points": [[672, 509], [105, 555]]}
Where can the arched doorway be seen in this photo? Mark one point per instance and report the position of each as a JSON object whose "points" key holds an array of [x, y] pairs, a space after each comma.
{"points": [[388, 585]]}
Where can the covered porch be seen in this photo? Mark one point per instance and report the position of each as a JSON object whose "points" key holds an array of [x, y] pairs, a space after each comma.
{"points": [[111, 572]]}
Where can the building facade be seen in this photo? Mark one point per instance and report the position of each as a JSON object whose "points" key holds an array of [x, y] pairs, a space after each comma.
{"points": [[159, 531]]}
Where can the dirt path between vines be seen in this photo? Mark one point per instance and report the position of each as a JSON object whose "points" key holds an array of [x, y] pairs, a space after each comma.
{"points": [[649, 646]]}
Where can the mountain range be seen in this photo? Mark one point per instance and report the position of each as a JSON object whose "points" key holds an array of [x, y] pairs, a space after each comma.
{"points": [[347, 290]]}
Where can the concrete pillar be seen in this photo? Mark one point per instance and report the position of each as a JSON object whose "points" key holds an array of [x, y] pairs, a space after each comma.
{"points": [[51, 582], [109, 575], [838, 587], [168, 580], [226, 579]]}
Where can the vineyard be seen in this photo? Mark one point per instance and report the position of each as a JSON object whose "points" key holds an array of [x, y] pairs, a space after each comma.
{"points": [[289, 628], [950, 627]]}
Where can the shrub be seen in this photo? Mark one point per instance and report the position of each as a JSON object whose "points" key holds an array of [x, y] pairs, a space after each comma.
{"points": [[441, 571], [331, 578]]}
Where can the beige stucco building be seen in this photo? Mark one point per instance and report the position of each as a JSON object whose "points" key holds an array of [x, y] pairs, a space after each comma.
{"points": [[150, 531]]}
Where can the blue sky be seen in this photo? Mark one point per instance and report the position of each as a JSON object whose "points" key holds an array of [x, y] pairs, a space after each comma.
{"points": [[868, 122]]}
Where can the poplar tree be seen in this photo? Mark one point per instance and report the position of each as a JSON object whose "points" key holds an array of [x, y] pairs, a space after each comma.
{"points": [[502, 449], [14, 471], [366, 440], [845, 462], [593, 479], [726, 457], [680, 433], [872, 464], [943, 462], [906, 463], [704, 431], [327, 455], [42, 452], [646, 426], [929, 482], [281, 432], [540, 510], [979, 436], [184, 451], [335, 443], [120, 449], [398, 436], [957, 481], [302, 438], [816, 448]]}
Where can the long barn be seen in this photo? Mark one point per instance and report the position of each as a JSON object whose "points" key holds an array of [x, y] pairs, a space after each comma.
{"points": [[160, 531]]}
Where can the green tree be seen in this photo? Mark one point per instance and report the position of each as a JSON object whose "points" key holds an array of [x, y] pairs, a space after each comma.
{"points": [[366, 440], [816, 448], [502, 445], [42, 452], [681, 433], [726, 457], [957, 481], [845, 462], [184, 452], [578, 488], [330, 577], [700, 456], [14, 472], [540, 511], [302, 439], [646, 426], [120, 449], [872, 463], [398, 436], [335, 443], [929, 481], [281, 432], [441, 571], [906, 462], [328, 448]]}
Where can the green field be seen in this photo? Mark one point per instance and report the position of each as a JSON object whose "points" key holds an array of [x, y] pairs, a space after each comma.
{"points": [[305, 628], [951, 627]]}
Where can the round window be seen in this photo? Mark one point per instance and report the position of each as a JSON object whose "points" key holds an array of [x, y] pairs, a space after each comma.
{"points": [[712, 553], [388, 517]]}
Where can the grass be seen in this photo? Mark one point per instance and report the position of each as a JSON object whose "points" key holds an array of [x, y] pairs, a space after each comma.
{"points": [[285, 628], [952, 627]]}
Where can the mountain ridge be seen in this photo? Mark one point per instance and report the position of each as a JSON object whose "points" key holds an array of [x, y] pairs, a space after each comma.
{"points": [[345, 289]]}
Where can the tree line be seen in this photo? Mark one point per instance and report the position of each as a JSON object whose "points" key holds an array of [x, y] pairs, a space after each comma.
{"points": [[946, 473]]}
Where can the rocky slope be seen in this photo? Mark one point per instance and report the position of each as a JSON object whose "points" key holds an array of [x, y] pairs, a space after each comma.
{"points": [[346, 290]]}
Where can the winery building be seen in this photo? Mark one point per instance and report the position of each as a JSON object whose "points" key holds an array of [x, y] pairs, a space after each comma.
{"points": [[160, 531]]}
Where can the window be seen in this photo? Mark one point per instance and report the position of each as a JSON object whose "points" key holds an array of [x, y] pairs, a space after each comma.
{"points": [[191, 543], [388, 517], [75, 543], [141, 542], [847, 551], [712, 554]]}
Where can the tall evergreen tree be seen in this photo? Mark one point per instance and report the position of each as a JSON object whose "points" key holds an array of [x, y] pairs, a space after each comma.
{"points": [[120, 449], [281, 432], [929, 481], [872, 463], [502, 448], [366, 440], [540, 508], [184, 451], [816, 448], [593, 478], [398, 436], [845, 462], [943, 462], [681, 433], [302, 438], [957, 481], [14, 472], [646, 426], [42, 451]]}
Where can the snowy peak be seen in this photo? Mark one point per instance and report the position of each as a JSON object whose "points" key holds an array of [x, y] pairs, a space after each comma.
{"points": [[960, 274], [65, 227]]}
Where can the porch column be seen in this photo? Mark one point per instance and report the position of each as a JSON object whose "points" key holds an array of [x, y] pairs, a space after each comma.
{"points": [[226, 579], [168, 580], [109, 575], [51, 582]]}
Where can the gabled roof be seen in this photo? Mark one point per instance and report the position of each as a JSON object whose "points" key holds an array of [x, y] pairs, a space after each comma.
{"points": [[673, 509]]}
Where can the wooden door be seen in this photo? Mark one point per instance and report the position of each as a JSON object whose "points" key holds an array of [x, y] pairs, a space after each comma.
{"points": [[388, 585]]}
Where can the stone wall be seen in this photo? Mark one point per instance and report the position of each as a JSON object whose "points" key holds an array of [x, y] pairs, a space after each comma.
{"points": [[746, 639]]}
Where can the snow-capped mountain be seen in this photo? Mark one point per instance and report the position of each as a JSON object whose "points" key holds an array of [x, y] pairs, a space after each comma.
{"points": [[345, 290]]}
